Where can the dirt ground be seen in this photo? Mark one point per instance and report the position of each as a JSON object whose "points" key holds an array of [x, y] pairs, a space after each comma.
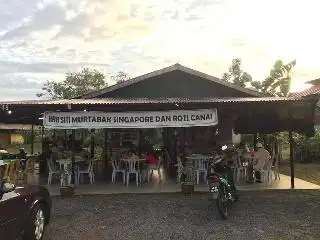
{"points": [[270, 215]]}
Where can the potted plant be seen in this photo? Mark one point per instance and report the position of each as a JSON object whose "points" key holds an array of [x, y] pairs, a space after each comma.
{"points": [[66, 189]]}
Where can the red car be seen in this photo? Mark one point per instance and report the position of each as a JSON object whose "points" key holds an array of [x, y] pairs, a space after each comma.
{"points": [[24, 211]]}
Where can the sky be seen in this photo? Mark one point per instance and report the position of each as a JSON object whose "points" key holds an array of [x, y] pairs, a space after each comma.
{"points": [[42, 40]]}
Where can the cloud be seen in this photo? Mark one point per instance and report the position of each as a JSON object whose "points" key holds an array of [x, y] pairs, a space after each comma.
{"points": [[44, 67], [53, 49], [42, 19], [13, 12], [44, 39], [15, 80], [18, 86]]}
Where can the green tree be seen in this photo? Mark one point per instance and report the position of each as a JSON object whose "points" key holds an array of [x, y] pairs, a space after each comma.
{"points": [[278, 82], [236, 75], [74, 85], [120, 77]]}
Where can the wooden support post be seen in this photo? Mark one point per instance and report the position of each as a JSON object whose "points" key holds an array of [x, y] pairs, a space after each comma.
{"points": [[42, 138], [255, 140], [105, 149], [42, 132], [73, 155], [291, 159], [32, 138], [183, 142], [66, 137], [140, 141], [92, 144], [82, 136], [165, 139], [291, 150], [175, 145]]}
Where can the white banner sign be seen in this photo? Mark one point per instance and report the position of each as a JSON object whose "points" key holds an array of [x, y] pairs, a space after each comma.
{"points": [[175, 118]]}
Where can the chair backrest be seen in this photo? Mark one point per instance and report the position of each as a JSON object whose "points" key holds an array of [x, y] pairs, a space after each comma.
{"points": [[115, 164], [29, 165], [267, 162], [50, 166], [14, 165], [237, 161], [246, 156], [276, 162], [179, 162], [7, 170], [90, 165], [132, 164], [160, 161], [200, 162]]}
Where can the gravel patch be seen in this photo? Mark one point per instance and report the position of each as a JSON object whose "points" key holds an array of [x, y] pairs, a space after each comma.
{"points": [[258, 215]]}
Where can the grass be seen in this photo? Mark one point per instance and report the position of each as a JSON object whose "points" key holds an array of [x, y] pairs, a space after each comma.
{"points": [[37, 147], [306, 171]]}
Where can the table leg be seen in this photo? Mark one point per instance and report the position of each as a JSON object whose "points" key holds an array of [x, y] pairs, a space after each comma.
{"points": [[250, 173]]}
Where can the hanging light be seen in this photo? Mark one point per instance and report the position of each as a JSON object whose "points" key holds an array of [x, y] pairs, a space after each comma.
{"points": [[9, 112]]}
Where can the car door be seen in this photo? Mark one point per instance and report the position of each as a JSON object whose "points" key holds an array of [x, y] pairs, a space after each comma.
{"points": [[12, 210]]}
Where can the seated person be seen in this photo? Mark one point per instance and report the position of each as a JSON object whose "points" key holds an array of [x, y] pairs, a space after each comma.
{"points": [[151, 158], [261, 158], [134, 150], [129, 154], [22, 155]]}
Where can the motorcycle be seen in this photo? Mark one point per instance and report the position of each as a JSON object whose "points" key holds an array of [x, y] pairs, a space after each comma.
{"points": [[222, 193]]}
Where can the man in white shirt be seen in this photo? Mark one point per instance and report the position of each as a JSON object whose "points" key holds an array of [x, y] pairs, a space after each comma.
{"points": [[261, 158]]}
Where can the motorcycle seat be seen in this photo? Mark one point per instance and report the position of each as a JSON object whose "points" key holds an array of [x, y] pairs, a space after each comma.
{"points": [[213, 175]]}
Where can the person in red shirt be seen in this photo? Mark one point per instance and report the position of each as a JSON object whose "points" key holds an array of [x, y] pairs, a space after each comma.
{"points": [[151, 158]]}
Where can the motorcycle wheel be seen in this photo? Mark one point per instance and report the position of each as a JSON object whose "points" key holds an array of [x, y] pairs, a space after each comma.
{"points": [[222, 206]]}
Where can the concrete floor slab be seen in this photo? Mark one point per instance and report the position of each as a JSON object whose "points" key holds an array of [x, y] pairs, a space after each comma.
{"points": [[171, 187]]}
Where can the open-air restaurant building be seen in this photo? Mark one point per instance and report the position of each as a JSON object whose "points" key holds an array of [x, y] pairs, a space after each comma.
{"points": [[176, 113]]}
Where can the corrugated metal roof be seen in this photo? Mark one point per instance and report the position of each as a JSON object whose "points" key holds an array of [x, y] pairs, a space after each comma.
{"points": [[116, 101], [314, 90], [15, 127]]}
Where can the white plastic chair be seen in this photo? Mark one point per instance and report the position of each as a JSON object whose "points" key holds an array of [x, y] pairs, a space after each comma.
{"points": [[152, 168], [275, 169], [200, 167], [265, 175], [240, 171], [116, 169], [88, 170], [53, 172], [133, 168]]}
